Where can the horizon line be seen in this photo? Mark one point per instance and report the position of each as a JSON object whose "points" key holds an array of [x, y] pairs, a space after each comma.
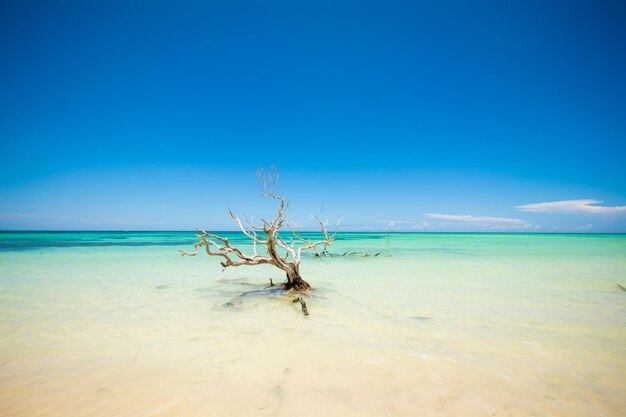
{"points": [[310, 231]]}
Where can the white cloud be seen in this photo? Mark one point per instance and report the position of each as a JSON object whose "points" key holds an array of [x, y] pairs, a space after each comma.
{"points": [[392, 223], [420, 226], [80, 220], [571, 206], [37, 216], [468, 218], [525, 226]]}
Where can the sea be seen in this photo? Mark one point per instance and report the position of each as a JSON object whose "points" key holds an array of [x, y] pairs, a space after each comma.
{"points": [[427, 324]]}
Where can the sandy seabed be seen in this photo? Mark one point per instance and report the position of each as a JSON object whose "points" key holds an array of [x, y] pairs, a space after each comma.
{"points": [[463, 327]]}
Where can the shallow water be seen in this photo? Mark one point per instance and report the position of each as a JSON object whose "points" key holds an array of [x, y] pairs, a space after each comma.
{"points": [[118, 324]]}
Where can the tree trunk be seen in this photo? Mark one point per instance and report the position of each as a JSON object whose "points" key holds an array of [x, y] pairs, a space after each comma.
{"points": [[295, 282]]}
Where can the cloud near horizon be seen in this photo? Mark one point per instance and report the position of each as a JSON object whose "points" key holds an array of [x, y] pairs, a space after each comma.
{"points": [[420, 226], [468, 218], [571, 206], [505, 227], [392, 223]]}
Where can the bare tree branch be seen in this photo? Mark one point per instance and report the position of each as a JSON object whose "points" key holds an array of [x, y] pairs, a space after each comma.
{"points": [[223, 250], [251, 234], [267, 181], [279, 253]]}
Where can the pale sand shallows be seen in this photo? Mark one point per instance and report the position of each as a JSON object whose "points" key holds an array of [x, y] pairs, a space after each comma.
{"points": [[451, 325]]}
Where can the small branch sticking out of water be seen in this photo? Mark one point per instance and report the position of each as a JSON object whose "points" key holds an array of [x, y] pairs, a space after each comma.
{"points": [[302, 303], [365, 253]]}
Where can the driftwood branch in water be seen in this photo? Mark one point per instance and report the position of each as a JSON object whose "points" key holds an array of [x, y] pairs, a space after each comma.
{"points": [[365, 253], [302, 304], [269, 246]]}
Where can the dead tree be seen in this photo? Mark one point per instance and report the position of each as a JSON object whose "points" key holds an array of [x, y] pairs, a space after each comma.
{"points": [[276, 250], [365, 253]]}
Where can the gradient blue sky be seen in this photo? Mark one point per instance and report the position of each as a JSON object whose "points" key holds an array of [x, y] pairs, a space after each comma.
{"points": [[414, 115]]}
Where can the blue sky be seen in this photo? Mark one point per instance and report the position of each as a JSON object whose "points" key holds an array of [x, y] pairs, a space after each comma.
{"points": [[424, 116]]}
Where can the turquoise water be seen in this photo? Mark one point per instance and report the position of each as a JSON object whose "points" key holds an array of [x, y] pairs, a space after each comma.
{"points": [[95, 323]]}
